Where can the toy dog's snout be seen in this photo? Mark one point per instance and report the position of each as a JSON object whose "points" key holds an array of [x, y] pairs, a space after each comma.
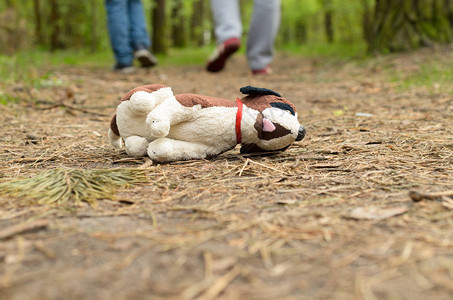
{"points": [[301, 134]]}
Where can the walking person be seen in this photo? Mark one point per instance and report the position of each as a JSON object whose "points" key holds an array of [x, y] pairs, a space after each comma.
{"points": [[261, 36], [128, 34]]}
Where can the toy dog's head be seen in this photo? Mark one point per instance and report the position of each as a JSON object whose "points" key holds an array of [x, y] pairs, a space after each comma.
{"points": [[275, 122]]}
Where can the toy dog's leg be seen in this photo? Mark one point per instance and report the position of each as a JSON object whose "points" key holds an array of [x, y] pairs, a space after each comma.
{"points": [[115, 140], [167, 114], [136, 145], [141, 103], [164, 150]]}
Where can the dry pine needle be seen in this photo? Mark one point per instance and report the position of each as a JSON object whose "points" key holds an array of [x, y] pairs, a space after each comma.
{"points": [[66, 186]]}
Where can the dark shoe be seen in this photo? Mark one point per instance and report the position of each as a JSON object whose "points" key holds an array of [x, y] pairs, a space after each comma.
{"points": [[223, 51], [266, 71], [126, 69], [145, 58]]}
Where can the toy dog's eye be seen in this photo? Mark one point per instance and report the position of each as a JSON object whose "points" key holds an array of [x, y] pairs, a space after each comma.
{"points": [[283, 106]]}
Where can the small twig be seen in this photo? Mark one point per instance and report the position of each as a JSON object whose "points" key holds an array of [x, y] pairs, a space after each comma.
{"points": [[221, 283], [263, 165], [419, 196], [146, 164], [128, 159], [53, 104], [243, 167], [87, 111], [35, 159], [23, 227]]}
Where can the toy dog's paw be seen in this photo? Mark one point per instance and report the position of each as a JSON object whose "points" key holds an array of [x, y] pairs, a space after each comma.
{"points": [[158, 128], [136, 146], [142, 102], [160, 150]]}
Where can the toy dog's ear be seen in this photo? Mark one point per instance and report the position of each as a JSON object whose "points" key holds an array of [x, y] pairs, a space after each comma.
{"points": [[255, 91]]}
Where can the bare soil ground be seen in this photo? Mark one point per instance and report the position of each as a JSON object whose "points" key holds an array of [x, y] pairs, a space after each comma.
{"points": [[331, 218]]}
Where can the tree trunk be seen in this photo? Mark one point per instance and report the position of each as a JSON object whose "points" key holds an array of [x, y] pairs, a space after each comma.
{"points": [[38, 22], [159, 27], [366, 21], [328, 20], [94, 33], [54, 20], [197, 30], [301, 31], [178, 29], [408, 24]]}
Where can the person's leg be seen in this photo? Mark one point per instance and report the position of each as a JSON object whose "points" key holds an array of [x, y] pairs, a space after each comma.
{"points": [[228, 30], [263, 29], [118, 26], [138, 32], [227, 19], [140, 40]]}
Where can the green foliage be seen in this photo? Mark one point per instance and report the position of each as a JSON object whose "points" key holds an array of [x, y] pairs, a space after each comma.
{"points": [[349, 19], [407, 24], [82, 24], [75, 24], [303, 21]]}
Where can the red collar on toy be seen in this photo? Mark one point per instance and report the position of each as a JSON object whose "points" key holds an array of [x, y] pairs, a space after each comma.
{"points": [[238, 121]]}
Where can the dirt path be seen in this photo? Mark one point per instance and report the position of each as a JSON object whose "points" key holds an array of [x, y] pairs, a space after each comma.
{"points": [[292, 226]]}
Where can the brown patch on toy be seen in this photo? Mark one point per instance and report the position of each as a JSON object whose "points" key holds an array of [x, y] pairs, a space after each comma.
{"points": [[251, 148], [114, 126], [255, 150], [190, 100], [264, 135], [145, 88], [260, 103]]}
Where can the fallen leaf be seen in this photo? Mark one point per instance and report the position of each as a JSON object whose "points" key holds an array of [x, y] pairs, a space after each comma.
{"points": [[338, 113], [376, 213], [360, 114]]}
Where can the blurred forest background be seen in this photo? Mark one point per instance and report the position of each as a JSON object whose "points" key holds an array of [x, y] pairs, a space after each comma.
{"points": [[365, 26]]}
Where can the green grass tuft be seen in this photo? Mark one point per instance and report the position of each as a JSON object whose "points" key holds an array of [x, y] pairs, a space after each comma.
{"points": [[6, 98], [335, 51], [185, 56], [434, 76]]}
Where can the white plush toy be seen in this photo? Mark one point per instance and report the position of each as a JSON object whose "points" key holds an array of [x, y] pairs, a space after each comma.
{"points": [[154, 122]]}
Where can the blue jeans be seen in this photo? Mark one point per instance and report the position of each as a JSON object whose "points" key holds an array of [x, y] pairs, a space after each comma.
{"points": [[127, 29]]}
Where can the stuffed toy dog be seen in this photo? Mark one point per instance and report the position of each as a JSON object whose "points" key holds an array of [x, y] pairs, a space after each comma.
{"points": [[152, 121]]}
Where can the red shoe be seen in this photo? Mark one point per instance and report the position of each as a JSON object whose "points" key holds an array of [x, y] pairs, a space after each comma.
{"points": [[223, 51], [266, 71]]}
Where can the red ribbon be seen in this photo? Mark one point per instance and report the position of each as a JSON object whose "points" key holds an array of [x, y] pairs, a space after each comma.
{"points": [[238, 121]]}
